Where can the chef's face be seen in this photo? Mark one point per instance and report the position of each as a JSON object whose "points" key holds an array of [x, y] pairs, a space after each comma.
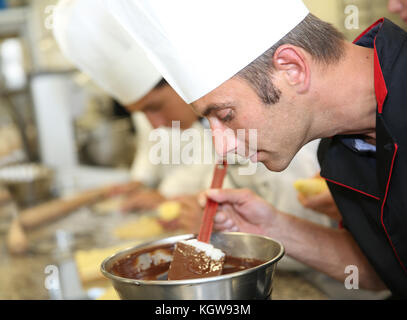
{"points": [[281, 127], [399, 7], [163, 105]]}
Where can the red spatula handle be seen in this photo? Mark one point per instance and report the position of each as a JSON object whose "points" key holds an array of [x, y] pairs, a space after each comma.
{"points": [[212, 206]]}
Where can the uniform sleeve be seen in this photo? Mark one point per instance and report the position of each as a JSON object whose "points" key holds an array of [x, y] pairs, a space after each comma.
{"points": [[142, 169]]}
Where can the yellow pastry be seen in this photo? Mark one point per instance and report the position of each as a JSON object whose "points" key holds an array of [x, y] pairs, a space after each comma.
{"points": [[311, 187], [88, 261], [169, 210], [110, 294], [144, 227]]}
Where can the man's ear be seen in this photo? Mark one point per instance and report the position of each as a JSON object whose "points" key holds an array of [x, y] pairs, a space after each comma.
{"points": [[293, 64]]}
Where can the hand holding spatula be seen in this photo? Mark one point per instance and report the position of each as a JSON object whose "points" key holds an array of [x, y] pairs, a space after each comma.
{"points": [[197, 258]]}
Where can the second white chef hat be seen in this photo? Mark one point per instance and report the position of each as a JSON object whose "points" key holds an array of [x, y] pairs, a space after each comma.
{"points": [[199, 44], [91, 38]]}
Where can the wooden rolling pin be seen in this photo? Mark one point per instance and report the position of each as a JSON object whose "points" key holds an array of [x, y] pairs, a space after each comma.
{"points": [[52, 210], [49, 211], [17, 242]]}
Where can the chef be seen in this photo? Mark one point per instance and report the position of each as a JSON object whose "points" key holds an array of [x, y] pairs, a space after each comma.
{"points": [[95, 43], [100, 47], [274, 67]]}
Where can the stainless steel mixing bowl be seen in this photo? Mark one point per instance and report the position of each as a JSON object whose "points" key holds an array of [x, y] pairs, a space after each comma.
{"points": [[254, 283]]}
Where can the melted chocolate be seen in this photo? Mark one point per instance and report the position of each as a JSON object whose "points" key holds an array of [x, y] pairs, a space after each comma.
{"points": [[190, 263], [131, 268]]}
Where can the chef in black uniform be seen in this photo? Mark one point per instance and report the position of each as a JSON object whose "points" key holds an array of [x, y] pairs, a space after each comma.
{"points": [[310, 83], [368, 182]]}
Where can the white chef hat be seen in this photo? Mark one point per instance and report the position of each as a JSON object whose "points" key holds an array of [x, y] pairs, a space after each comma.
{"points": [[199, 44], [92, 39]]}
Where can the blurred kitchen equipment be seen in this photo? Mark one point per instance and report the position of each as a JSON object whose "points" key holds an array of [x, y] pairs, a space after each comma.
{"points": [[254, 283], [109, 143], [28, 183], [69, 281], [54, 97], [4, 195], [7, 208], [16, 130], [10, 139]]}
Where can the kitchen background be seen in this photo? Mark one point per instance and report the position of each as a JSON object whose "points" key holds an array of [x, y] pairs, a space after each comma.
{"points": [[61, 135]]}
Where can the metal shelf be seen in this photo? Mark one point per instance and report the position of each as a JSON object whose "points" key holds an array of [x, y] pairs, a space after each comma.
{"points": [[12, 21]]}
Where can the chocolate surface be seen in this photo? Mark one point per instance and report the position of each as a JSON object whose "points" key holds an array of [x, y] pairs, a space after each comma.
{"points": [[134, 266], [190, 263]]}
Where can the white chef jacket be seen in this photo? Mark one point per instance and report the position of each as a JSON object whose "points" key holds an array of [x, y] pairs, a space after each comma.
{"points": [[170, 180]]}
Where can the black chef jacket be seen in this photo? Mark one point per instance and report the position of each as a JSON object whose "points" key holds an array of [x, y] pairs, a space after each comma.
{"points": [[370, 188]]}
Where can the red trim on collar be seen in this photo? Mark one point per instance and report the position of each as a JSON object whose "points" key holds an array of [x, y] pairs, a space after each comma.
{"points": [[379, 83], [382, 209], [368, 29], [357, 190]]}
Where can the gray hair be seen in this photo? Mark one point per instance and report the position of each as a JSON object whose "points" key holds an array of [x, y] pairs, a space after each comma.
{"points": [[320, 39]]}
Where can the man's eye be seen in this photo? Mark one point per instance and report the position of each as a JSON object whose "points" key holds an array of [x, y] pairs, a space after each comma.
{"points": [[228, 117], [154, 108]]}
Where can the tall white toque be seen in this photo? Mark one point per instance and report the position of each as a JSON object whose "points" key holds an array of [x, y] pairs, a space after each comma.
{"points": [[92, 39], [199, 44]]}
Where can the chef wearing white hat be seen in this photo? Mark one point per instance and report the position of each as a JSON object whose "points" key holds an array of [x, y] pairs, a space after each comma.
{"points": [[112, 61], [272, 66], [190, 41], [94, 42]]}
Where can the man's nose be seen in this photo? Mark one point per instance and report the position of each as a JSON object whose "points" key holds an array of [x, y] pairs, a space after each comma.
{"points": [[155, 119], [224, 139]]}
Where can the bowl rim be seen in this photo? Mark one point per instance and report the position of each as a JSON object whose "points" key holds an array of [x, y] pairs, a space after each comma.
{"points": [[189, 282]]}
